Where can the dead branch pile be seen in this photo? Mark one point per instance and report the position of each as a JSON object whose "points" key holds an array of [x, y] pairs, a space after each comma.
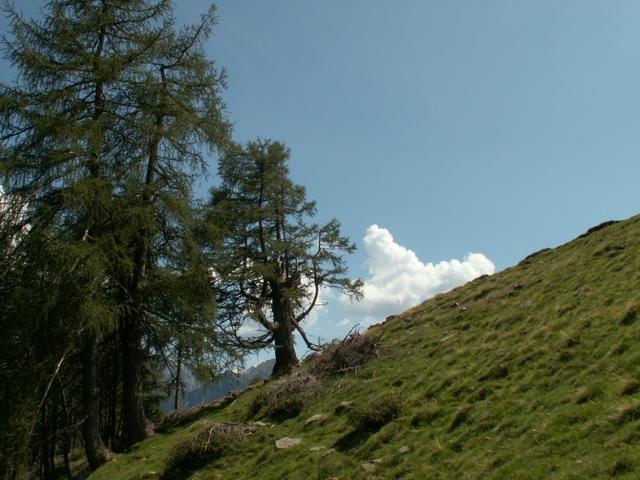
{"points": [[353, 352], [211, 442], [178, 417]]}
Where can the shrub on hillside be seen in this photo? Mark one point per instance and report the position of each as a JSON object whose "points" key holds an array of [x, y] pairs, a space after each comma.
{"points": [[209, 443], [286, 397], [376, 414]]}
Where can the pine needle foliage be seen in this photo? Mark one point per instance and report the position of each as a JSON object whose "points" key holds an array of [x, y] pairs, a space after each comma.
{"points": [[111, 119], [272, 259]]}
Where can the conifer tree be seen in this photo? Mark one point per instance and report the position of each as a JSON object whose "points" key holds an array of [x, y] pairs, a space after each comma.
{"points": [[179, 109], [272, 260], [101, 138]]}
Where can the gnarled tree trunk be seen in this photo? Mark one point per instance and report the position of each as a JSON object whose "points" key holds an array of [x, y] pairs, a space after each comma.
{"points": [[286, 357]]}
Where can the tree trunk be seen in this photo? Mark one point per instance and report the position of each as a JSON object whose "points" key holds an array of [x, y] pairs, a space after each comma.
{"points": [[66, 441], [97, 453], [45, 467], [113, 394], [53, 436], [135, 423], [286, 357], [176, 402]]}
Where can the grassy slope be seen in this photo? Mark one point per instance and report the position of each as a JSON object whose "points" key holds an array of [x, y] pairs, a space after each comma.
{"points": [[539, 365]]}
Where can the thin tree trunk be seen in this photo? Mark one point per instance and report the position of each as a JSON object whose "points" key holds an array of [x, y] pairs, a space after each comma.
{"points": [[113, 395], [286, 357], [66, 441], [53, 436], [45, 472], [97, 453], [176, 401]]}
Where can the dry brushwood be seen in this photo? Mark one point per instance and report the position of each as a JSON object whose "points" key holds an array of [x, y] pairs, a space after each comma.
{"points": [[178, 417], [209, 443], [353, 352], [286, 397], [183, 416]]}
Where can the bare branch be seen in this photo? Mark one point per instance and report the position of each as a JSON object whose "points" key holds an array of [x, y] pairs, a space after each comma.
{"points": [[264, 321], [312, 346], [316, 283]]}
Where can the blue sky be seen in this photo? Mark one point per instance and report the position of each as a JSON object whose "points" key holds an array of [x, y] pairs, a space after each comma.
{"points": [[496, 127]]}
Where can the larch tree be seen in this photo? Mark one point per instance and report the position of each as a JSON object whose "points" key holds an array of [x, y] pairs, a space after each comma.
{"points": [[102, 135], [179, 111], [61, 137], [271, 260]]}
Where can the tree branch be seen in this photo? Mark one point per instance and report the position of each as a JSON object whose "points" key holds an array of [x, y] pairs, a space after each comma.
{"points": [[312, 346], [316, 283]]}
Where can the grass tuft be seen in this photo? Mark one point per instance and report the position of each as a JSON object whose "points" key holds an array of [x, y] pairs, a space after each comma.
{"points": [[461, 416], [375, 414], [627, 412], [426, 416], [630, 317]]}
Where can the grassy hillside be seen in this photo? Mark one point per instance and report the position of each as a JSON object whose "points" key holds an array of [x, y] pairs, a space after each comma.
{"points": [[530, 373]]}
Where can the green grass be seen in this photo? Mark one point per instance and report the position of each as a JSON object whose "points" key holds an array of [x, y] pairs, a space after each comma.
{"points": [[527, 374]]}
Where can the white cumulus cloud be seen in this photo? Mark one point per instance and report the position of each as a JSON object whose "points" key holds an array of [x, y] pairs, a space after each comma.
{"points": [[398, 279]]}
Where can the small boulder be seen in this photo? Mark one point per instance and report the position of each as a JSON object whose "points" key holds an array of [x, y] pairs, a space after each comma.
{"points": [[317, 448], [263, 424], [369, 467], [328, 452], [286, 442], [404, 449], [314, 419], [342, 406]]}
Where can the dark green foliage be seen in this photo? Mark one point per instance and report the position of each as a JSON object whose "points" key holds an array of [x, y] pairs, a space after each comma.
{"points": [[271, 258], [103, 134], [375, 414]]}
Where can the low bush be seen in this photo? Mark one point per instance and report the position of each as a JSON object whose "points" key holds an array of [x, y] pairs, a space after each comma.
{"points": [[209, 443], [375, 414], [286, 397]]}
